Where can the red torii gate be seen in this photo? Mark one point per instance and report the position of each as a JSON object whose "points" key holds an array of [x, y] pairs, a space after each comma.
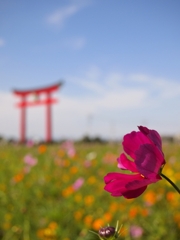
{"points": [[47, 101]]}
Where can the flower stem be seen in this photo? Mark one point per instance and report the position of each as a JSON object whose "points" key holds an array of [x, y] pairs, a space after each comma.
{"points": [[173, 184]]}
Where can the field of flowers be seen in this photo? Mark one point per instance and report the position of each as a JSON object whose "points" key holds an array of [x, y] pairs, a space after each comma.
{"points": [[51, 192]]}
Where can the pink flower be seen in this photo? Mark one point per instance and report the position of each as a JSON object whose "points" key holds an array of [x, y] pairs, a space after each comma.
{"points": [[30, 161], [69, 147], [29, 143], [145, 147], [136, 231], [78, 183]]}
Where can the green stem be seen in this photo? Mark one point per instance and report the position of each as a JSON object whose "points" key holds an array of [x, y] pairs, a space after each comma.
{"points": [[173, 184]]}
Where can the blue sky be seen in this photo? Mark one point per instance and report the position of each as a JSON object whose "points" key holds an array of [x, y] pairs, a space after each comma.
{"points": [[119, 61]]}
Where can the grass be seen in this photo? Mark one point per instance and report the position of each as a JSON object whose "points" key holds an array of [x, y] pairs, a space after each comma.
{"points": [[39, 202]]}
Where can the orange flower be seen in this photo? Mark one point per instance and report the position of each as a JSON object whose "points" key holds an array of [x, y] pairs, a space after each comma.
{"points": [[91, 180], [123, 232], [98, 223], [61, 153], [49, 233], [53, 225], [78, 215], [170, 196], [107, 216], [73, 170], [89, 200], [66, 163], [133, 212], [144, 212], [177, 219], [46, 233], [177, 176], [18, 178], [40, 233], [42, 148], [68, 191], [113, 207], [150, 197], [88, 220]]}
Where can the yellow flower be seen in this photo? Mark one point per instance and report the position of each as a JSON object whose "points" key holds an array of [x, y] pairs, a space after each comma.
{"points": [[61, 153], [78, 215], [65, 178], [53, 225], [177, 176], [89, 200], [73, 170], [91, 180], [49, 233], [170, 173], [78, 197]]}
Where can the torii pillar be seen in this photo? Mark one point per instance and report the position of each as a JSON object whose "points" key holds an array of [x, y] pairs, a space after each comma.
{"points": [[25, 103]]}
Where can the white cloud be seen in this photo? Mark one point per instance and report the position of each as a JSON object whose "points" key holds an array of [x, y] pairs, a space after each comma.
{"points": [[63, 14], [75, 43], [139, 77], [124, 99], [165, 87], [118, 103], [2, 42]]}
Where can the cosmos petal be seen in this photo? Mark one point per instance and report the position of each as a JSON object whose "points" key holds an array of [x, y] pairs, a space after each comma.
{"points": [[126, 164], [133, 141], [153, 136], [149, 160]]}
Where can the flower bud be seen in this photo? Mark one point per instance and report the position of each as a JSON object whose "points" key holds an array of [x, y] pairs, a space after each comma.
{"points": [[107, 232]]}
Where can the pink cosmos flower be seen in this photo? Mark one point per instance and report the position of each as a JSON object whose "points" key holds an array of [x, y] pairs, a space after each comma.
{"points": [[30, 143], [78, 183], [69, 147], [145, 148], [136, 231], [30, 161]]}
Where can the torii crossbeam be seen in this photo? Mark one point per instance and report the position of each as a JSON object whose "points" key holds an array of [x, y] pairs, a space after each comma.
{"points": [[25, 103]]}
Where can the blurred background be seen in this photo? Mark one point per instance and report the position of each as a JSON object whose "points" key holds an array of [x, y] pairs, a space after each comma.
{"points": [[119, 61]]}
